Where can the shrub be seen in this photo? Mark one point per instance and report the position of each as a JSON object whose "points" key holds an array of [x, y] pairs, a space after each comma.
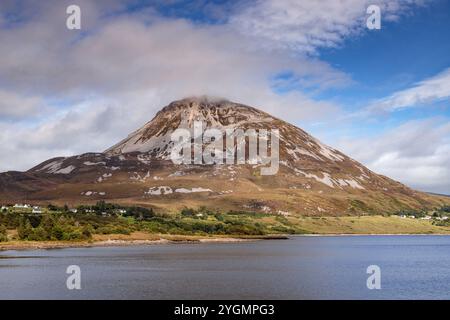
{"points": [[3, 234], [187, 212], [87, 232], [57, 233], [240, 228], [52, 207], [9, 220], [140, 213], [25, 229], [110, 229], [38, 234], [53, 227]]}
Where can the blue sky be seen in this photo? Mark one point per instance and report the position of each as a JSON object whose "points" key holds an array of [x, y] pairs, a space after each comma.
{"points": [[381, 96], [382, 62]]}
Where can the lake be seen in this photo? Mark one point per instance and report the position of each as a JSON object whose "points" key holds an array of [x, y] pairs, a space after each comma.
{"points": [[412, 267]]}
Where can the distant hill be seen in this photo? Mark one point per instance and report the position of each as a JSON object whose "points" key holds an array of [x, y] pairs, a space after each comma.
{"points": [[439, 194]]}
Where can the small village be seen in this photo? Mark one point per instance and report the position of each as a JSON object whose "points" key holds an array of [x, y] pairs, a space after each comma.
{"points": [[38, 210], [439, 216]]}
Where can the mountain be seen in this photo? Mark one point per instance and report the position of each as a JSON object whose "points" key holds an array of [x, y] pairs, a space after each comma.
{"points": [[313, 178]]}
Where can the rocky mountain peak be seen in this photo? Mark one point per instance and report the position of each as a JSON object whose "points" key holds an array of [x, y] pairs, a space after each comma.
{"points": [[217, 112], [313, 178], [212, 112]]}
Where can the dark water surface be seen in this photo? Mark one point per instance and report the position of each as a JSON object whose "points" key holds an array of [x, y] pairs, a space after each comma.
{"points": [[412, 267]]}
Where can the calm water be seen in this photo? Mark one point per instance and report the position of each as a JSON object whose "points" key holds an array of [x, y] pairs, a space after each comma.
{"points": [[412, 267]]}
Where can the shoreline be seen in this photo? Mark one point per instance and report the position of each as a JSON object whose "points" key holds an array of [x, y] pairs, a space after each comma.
{"points": [[173, 239], [366, 234]]}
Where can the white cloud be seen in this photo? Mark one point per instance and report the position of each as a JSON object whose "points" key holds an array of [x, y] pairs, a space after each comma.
{"points": [[429, 90], [140, 51], [86, 127], [416, 153], [308, 25], [114, 78], [14, 106]]}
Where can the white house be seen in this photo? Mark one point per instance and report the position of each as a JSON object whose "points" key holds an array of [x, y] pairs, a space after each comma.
{"points": [[22, 206], [36, 210]]}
